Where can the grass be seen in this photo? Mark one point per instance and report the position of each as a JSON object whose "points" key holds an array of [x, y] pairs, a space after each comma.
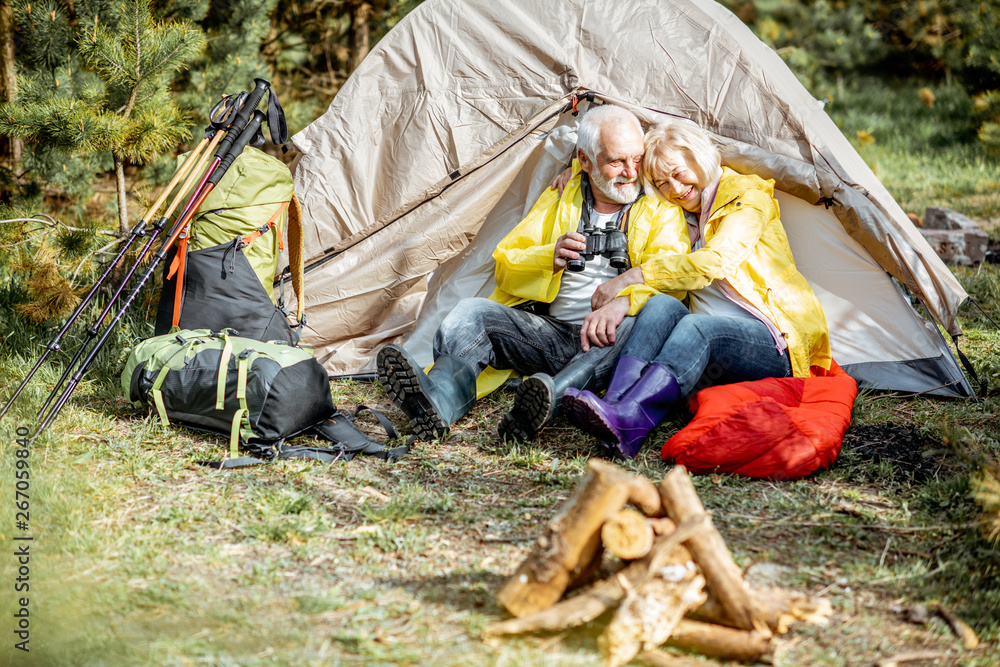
{"points": [[925, 155], [145, 558], [142, 557]]}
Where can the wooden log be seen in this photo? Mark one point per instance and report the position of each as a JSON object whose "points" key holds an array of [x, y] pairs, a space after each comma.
{"points": [[606, 594], [717, 641], [658, 658], [777, 607], [662, 526], [725, 581], [627, 535], [570, 541], [649, 613], [644, 496]]}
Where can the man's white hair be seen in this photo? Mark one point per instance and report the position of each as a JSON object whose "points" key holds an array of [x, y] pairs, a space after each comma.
{"points": [[588, 138]]}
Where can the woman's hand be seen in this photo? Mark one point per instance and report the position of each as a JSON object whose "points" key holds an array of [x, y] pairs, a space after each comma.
{"points": [[561, 180], [599, 325], [609, 290]]}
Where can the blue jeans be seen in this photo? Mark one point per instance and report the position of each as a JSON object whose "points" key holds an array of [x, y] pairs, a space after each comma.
{"points": [[704, 350], [486, 333]]}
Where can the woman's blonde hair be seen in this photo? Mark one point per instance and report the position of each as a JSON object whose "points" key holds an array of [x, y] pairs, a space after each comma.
{"points": [[679, 138]]}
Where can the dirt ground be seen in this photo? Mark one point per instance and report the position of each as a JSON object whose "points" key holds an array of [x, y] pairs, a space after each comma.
{"points": [[847, 537]]}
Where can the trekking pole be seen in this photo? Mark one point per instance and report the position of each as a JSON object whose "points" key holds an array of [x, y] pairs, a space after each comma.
{"points": [[135, 233], [215, 130], [221, 165]]}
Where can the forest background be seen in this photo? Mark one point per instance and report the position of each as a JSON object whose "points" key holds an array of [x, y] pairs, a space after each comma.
{"points": [[97, 99]]}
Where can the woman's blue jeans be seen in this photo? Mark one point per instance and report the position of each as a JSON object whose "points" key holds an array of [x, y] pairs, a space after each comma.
{"points": [[704, 350]]}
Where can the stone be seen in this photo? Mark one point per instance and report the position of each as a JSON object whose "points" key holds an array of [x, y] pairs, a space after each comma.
{"points": [[944, 218], [956, 239]]}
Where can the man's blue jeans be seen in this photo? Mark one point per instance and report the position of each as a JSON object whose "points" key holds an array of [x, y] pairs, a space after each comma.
{"points": [[486, 333], [704, 350]]}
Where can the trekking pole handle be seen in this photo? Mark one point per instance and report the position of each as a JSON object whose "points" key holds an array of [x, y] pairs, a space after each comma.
{"points": [[241, 142], [244, 115]]}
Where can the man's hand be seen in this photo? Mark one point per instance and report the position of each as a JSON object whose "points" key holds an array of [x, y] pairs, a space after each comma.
{"points": [[568, 246], [605, 292], [599, 326]]}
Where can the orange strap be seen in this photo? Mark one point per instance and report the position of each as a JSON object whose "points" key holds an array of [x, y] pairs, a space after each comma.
{"points": [[250, 238], [180, 259]]}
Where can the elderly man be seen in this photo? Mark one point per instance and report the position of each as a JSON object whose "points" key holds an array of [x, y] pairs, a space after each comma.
{"points": [[539, 321]]}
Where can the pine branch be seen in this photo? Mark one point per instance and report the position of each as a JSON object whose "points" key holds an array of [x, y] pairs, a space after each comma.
{"points": [[48, 226]]}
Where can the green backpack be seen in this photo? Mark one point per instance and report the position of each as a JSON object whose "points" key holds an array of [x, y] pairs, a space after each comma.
{"points": [[259, 394], [221, 273]]}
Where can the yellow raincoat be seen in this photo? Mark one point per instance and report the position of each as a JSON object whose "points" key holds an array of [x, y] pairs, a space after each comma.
{"points": [[745, 245], [524, 270]]}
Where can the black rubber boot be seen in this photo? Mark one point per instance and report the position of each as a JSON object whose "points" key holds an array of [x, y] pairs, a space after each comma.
{"points": [[538, 398], [432, 401]]}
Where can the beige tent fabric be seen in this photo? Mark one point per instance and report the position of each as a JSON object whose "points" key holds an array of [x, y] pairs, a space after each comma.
{"points": [[433, 130]]}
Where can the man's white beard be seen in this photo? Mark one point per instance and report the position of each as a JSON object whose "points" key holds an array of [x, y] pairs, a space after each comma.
{"points": [[625, 195]]}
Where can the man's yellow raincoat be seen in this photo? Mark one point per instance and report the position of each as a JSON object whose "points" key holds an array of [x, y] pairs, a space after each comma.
{"points": [[524, 268]]}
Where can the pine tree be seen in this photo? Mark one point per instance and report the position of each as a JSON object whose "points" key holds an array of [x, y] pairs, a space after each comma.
{"points": [[91, 96], [136, 119], [231, 60], [95, 85]]}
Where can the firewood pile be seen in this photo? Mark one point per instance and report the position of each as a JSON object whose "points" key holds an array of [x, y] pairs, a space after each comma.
{"points": [[672, 581]]}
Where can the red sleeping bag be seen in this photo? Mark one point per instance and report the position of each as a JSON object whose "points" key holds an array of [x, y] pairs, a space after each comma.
{"points": [[776, 428]]}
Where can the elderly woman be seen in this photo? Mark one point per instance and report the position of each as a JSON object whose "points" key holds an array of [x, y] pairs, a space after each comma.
{"points": [[751, 314]]}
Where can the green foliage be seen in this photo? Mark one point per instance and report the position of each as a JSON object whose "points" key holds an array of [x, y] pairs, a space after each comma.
{"points": [[93, 94], [97, 86], [232, 57], [48, 38], [135, 57], [825, 41]]}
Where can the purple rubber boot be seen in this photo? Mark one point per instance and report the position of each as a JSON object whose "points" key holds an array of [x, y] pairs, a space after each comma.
{"points": [[627, 371], [623, 427]]}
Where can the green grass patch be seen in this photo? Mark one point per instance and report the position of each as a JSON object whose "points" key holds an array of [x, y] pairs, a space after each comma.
{"points": [[925, 156]]}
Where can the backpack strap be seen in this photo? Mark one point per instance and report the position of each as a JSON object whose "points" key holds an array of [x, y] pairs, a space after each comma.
{"points": [[266, 227], [220, 387], [338, 429], [296, 254], [161, 409], [350, 441], [178, 266]]}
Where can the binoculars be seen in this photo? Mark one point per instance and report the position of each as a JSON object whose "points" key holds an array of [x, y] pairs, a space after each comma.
{"points": [[609, 242]]}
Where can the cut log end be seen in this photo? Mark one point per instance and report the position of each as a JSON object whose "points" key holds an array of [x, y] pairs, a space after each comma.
{"points": [[627, 535]]}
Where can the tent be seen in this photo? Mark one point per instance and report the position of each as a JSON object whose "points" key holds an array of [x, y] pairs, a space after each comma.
{"points": [[449, 129]]}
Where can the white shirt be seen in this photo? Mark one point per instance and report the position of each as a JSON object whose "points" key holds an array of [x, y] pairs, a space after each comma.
{"points": [[572, 304]]}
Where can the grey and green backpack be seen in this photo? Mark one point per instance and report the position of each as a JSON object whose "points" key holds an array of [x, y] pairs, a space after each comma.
{"points": [[257, 393], [221, 273]]}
